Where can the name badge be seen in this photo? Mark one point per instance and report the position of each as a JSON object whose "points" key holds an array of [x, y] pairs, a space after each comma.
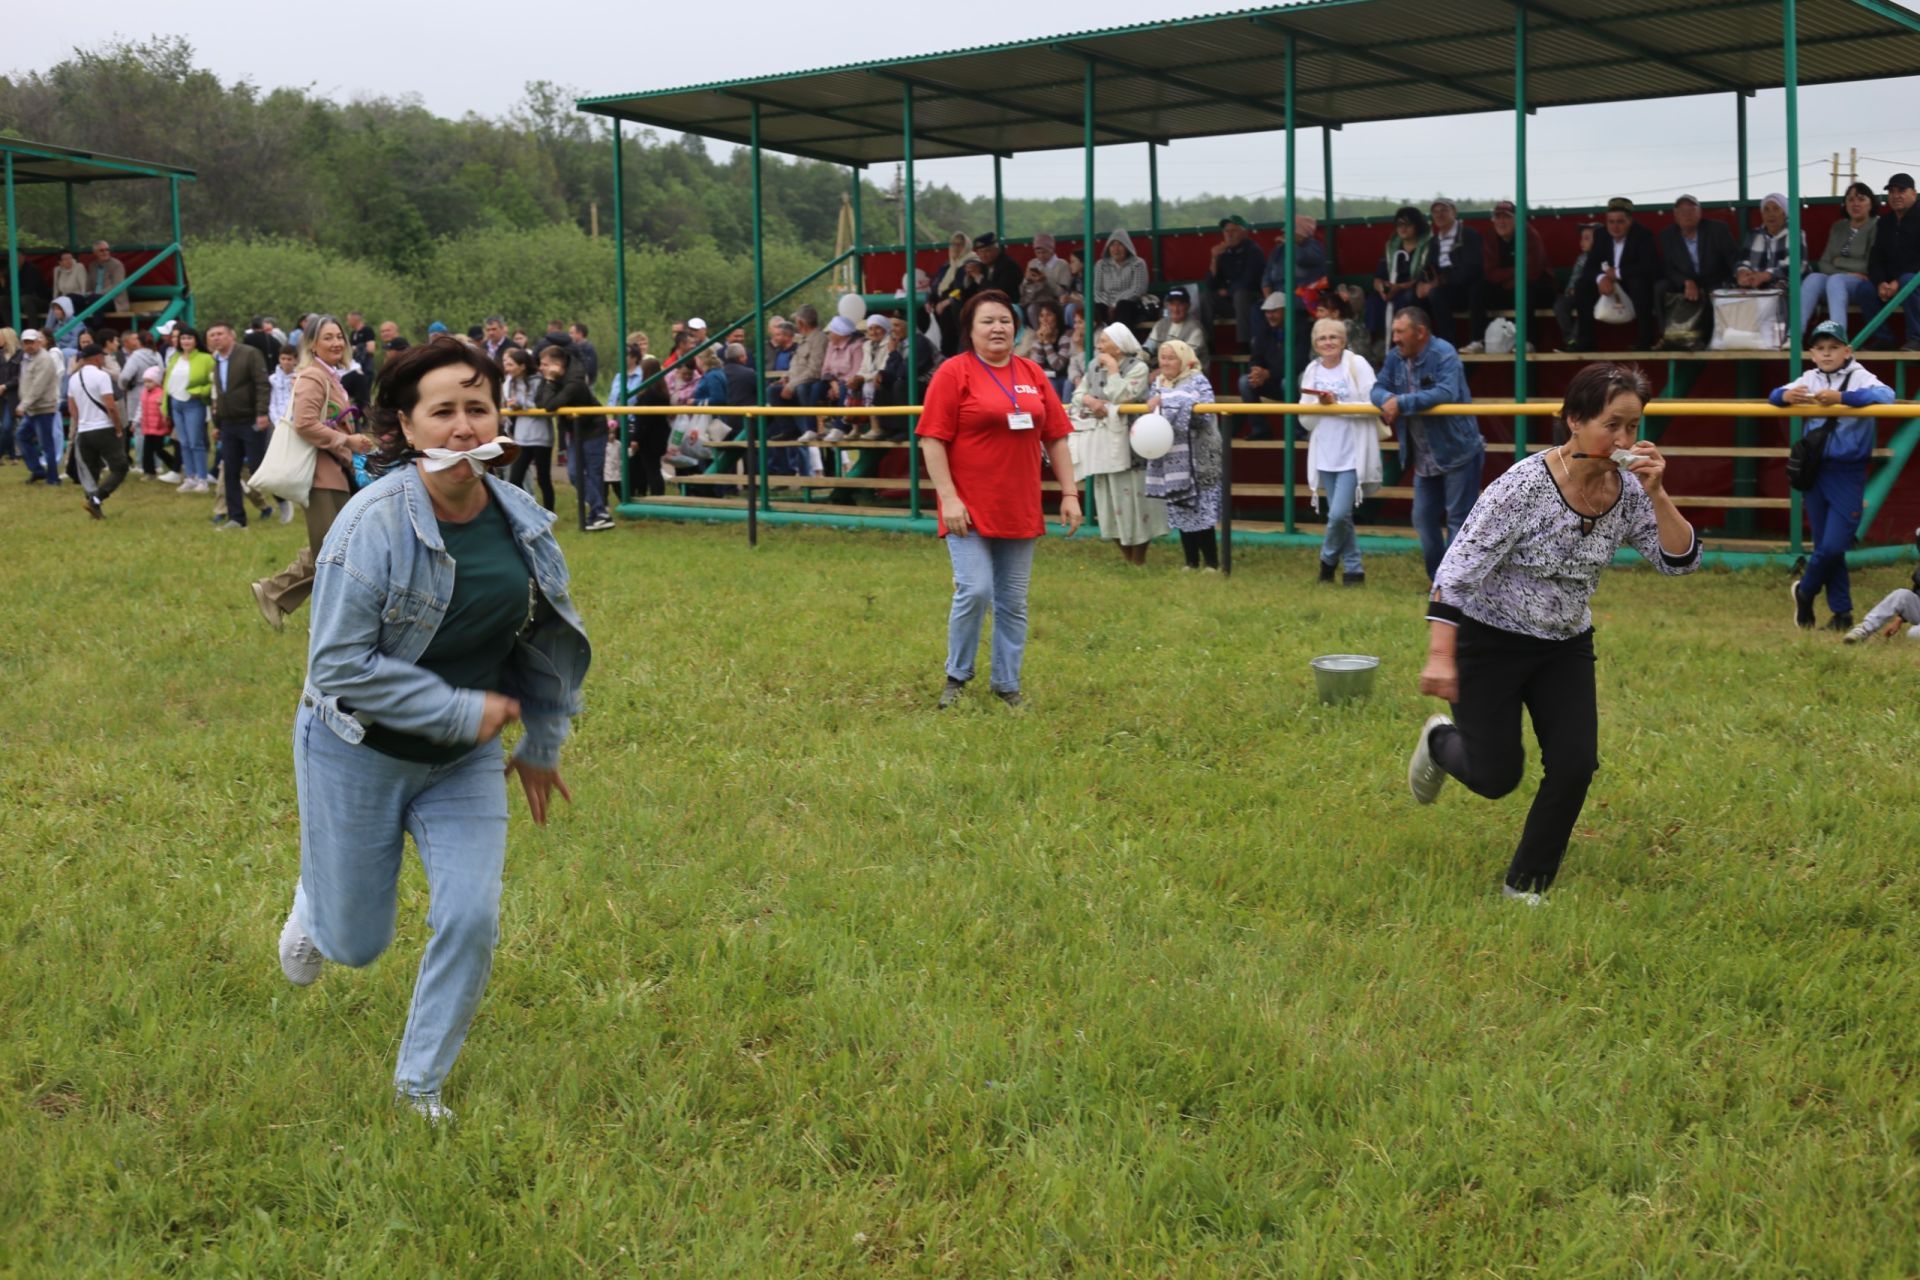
{"points": [[1020, 421]]}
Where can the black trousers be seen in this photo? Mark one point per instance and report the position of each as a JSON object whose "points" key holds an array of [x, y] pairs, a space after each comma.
{"points": [[103, 456], [1500, 672], [1202, 544], [1646, 318], [241, 444], [540, 458], [652, 437], [157, 453]]}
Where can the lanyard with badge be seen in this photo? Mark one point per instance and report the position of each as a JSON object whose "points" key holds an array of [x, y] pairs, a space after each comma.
{"points": [[1016, 421]]}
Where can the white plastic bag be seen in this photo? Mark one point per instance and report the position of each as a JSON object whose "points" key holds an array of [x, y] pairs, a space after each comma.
{"points": [[1747, 320], [1500, 337], [287, 470], [1614, 308]]}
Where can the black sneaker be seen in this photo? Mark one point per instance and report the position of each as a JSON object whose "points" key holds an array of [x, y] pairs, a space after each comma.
{"points": [[93, 507], [1326, 573], [1802, 608], [1009, 696], [1354, 580], [951, 694], [1840, 622]]}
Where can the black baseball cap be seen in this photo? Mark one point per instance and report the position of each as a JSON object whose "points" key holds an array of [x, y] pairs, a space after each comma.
{"points": [[984, 239], [1178, 295], [1900, 182]]}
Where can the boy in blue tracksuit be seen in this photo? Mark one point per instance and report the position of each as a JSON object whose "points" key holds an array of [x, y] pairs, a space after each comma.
{"points": [[1839, 487]]}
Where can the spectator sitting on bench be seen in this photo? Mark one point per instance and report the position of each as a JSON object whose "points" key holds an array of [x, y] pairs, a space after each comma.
{"points": [[105, 275], [1404, 262], [1233, 283], [893, 378], [1036, 288], [874, 350], [1582, 264], [1458, 258], [1495, 290], [1119, 280], [1768, 259], [1045, 343], [1177, 321], [1840, 277], [1056, 268], [1266, 376], [1696, 257], [1896, 252], [1628, 262], [1309, 263], [69, 277]]}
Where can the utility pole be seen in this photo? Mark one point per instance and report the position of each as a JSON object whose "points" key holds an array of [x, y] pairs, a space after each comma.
{"points": [[1834, 189], [1853, 164]]}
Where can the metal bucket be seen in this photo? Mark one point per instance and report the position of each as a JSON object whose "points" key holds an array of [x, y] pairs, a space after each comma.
{"points": [[1344, 676]]}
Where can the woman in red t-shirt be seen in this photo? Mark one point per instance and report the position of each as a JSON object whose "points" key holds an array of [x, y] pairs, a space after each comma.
{"points": [[987, 417]]}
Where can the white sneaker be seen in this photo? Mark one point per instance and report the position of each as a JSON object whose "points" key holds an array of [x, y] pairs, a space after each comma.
{"points": [[1424, 777], [286, 511], [300, 960], [809, 437], [835, 436], [168, 477], [276, 616], [1512, 894], [1858, 634], [427, 1105], [229, 526], [1474, 349]]}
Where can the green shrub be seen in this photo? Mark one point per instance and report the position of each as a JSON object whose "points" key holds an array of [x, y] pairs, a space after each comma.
{"points": [[233, 279]]}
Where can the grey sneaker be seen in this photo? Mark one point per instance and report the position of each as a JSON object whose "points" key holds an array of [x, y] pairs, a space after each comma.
{"points": [[427, 1105], [276, 616], [300, 960], [1424, 777], [1512, 894], [1009, 696], [1856, 634], [951, 694]]}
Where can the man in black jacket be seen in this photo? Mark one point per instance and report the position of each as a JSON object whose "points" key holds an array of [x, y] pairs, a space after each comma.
{"points": [[1697, 256], [1458, 263], [998, 270], [1896, 252], [1626, 259], [743, 384], [241, 397], [891, 388]]}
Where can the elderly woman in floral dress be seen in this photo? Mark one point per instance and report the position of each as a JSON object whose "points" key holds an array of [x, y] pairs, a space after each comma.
{"points": [[1188, 476]]}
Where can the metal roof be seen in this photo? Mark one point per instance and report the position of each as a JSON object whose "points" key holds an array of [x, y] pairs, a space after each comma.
{"points": [[40, 162], [1357, 60]]}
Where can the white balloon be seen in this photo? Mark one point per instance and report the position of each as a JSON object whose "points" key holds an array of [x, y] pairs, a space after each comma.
{"points": [[853, 307], [1152, 436]]}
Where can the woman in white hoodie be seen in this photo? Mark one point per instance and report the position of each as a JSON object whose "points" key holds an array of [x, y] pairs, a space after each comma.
{"points": [[1343, 450], [1119, 279]]}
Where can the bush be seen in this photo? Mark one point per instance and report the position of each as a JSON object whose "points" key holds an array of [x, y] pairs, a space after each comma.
{"points": [[233, 279]]}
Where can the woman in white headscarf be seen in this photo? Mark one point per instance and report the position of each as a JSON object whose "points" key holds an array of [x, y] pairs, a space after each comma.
{"points": [[1189, 476], [946, 291], [1118, 375], [1119, 280], [1766, 262]]}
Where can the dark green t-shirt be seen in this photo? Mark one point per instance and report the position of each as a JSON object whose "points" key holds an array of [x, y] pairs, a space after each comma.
{"points": [[492, 595]]}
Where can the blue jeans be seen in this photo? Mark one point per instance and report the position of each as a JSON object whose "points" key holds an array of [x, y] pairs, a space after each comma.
{"points": [[1912, 307], [190, 424], [1837, 291], [1833, 508], [989, 573], [356, 808], [40, 447], [1343, 489], [586, 471], [1448, 496], [1270, 390]]}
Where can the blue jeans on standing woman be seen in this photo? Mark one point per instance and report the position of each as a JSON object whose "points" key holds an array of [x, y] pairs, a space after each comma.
{"points": [[190, 424], [1833, 513], [1343, 489], [357, 805], [1447, 497], [989, 574]]}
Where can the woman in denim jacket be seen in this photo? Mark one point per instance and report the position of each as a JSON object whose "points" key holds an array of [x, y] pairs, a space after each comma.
{"points": [[440, 614]]}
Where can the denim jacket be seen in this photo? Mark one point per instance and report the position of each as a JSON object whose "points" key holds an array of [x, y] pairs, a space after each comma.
{"points": [[1435, 377], [381, 587]]}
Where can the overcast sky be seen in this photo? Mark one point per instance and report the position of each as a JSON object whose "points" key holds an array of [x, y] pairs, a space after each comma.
{"points": [[1579, 155]]}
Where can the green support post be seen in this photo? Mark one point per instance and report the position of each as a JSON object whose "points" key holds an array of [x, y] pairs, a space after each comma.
{"points": [[1326, 176], [759, 328], [13, 248], [173, 207], [999, 203], [1086, 259], [859, 235], [1153, 211], [1287, 331], [1522, 387], [911, 285], [1887, 313], [1740, 146], [620, 310], [1789, 12]]}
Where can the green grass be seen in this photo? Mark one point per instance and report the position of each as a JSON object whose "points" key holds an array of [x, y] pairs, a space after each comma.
{"points": [[1163, 976]]}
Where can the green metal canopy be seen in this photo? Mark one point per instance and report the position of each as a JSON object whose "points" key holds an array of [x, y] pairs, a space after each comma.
{"points": [[41, 162], [1357, 60]]}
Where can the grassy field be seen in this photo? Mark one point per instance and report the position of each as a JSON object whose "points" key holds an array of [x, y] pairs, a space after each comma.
{"points": [[1164, 975]]}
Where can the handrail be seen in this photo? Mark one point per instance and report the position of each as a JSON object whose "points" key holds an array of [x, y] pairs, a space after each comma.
{"points": [[1489, 409], [171, 250]]}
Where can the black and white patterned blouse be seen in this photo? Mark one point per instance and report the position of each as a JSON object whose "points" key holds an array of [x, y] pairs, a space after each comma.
{"points": [[1525, 561]]}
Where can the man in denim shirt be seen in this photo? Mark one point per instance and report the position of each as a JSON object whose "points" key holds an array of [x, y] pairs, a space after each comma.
{"points": [[1444, 455]]}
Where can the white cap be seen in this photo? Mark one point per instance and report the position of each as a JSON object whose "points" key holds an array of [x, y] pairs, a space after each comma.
{"points": [[696, 323], [31, 335]]}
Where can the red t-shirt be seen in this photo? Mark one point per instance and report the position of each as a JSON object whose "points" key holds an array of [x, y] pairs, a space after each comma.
{"points": [[995, 468]]}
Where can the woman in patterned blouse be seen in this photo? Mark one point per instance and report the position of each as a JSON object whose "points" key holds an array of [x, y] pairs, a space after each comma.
{"points": [[1509, 620]]}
